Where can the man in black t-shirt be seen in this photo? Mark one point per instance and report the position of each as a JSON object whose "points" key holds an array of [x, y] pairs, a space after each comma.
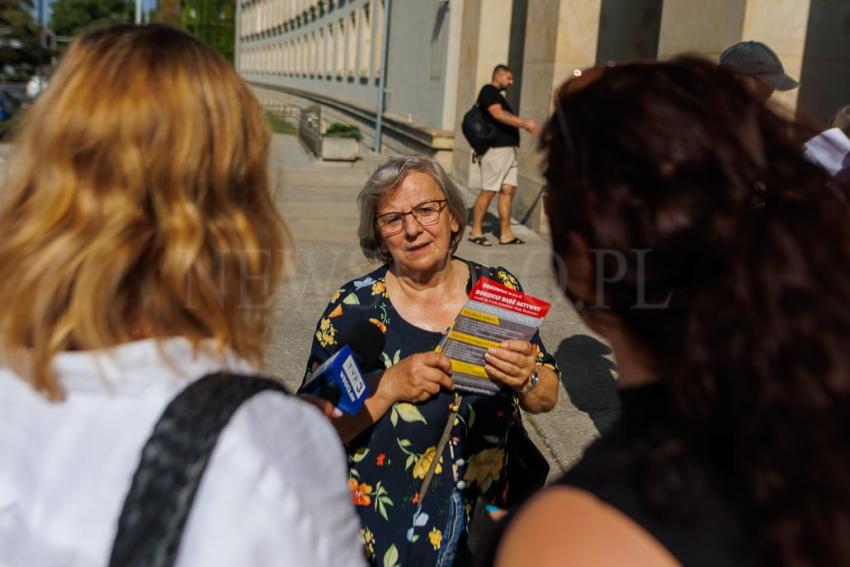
{"points": [[498, 164]]}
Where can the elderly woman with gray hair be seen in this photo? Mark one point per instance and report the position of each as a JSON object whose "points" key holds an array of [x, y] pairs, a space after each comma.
{"points": [[411, 219]]}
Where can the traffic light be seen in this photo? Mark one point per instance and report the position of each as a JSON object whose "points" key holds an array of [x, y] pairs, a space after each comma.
{"points": [[48, 39]]}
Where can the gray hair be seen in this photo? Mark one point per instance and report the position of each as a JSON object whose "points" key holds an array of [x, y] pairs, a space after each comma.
{"points": [[387, 177]]}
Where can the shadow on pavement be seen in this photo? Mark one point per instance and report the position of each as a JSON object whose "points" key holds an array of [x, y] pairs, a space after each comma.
{"points": [[490, 224], [587, 375]]}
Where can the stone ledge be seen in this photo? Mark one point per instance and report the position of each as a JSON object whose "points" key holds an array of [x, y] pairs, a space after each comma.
{"points": [[413, 132]]}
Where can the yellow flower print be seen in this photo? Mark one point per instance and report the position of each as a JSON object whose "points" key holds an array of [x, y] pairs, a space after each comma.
{"points": [[507, 280], [379, 288], [435, 536], [368, 542], [484, 466], [420, 469], [326, 335], [335, 296]]}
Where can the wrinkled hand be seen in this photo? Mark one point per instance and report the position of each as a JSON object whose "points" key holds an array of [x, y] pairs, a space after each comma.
{"points": [[511, 363], [417, 378]]}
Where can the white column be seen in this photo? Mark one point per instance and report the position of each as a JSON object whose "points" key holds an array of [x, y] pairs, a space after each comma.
{"points": [[339, 48], [782, 25], [378, 35], [699, 27], [351, 45], [453, 55]]}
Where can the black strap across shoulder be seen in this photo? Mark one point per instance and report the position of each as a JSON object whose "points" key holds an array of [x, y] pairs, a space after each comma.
{"points": [[172, 464]]}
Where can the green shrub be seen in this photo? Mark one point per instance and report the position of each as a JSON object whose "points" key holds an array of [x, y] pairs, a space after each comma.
{"points": [[280, 126], [339, 130]]}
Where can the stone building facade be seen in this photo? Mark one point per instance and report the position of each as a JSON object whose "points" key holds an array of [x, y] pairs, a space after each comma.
{"points": [[329, 53], [440, 52]]}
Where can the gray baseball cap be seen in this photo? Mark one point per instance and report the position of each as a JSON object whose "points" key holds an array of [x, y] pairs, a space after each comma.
{"points": [[755, 59]]}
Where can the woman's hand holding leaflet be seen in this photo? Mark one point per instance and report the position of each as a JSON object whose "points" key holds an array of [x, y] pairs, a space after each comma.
{"points": [[416, 378], [511, 363]]}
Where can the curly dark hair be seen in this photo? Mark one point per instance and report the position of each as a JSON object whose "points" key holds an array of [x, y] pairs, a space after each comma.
{"points": [[750, 252]]}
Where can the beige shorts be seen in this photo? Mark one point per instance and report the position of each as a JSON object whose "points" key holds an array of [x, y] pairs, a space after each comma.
{"points": [[498, 167]]}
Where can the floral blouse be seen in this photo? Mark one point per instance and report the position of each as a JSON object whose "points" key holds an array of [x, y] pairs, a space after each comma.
{"points": [[388, 461]]}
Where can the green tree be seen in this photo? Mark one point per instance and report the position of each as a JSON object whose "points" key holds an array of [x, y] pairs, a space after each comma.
{"points": [[19, 45], [212, 21], [168, 12], [73, 16]]}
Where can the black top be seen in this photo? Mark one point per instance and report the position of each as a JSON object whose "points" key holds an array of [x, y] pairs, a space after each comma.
{"points": [[506, 136], [692, 518]]}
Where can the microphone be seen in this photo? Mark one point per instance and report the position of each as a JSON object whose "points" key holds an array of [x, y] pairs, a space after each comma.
{"points": [[340, 379]]}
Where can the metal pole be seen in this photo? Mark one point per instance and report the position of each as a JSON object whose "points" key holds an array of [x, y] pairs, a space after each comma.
{"points": [[382, 82], [42, 45], [237, 37], [138, 12]]}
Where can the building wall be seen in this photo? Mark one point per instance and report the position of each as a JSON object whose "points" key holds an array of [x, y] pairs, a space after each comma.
{"points": [[323, 47], [825, 72], [707, 28], [416, 60], [484, 43], [781, 24], [441, 53], [565, 39], [700, 28], [628, 30], [333, 48]]}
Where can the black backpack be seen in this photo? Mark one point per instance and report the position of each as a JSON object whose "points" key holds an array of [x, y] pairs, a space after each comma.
{"points": [[478, 130]]}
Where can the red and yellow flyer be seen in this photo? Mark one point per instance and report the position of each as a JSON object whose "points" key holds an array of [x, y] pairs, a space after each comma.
{"points": [[493, 313]]}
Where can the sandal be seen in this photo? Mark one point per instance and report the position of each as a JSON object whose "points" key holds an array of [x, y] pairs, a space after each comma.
{"points": [[480, 241], [514, 240]]}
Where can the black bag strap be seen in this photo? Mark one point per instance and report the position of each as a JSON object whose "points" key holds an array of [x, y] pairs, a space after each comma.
{"points": [[473, 273], [172, 464]]}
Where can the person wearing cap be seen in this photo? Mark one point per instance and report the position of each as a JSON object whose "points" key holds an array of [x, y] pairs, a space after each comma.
{"points": [[758, 67]]}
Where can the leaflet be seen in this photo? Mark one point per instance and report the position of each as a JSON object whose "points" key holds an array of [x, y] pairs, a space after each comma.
{"points": [[493, 313]]}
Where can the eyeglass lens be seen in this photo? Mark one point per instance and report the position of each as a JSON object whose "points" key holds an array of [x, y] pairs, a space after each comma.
{"points": [[426, 213]]}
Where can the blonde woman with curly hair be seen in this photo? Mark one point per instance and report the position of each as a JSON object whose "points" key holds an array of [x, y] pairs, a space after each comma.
{"points": [[139, 249]]}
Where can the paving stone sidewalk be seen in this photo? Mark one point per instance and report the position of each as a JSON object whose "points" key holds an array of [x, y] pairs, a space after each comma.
{"points": [[317, 199]]}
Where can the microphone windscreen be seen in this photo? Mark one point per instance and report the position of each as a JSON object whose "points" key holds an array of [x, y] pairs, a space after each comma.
{"points": [[367, 342]]}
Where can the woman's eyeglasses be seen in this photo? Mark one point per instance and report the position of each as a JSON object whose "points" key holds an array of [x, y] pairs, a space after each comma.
{"points": [[426, 213]]}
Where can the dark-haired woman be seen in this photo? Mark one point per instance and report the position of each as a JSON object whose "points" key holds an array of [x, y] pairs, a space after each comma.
{"points": [[723, 263]]}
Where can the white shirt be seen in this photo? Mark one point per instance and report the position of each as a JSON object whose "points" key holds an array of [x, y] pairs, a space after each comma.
{"points": [[830, 149], [275, 491]]}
